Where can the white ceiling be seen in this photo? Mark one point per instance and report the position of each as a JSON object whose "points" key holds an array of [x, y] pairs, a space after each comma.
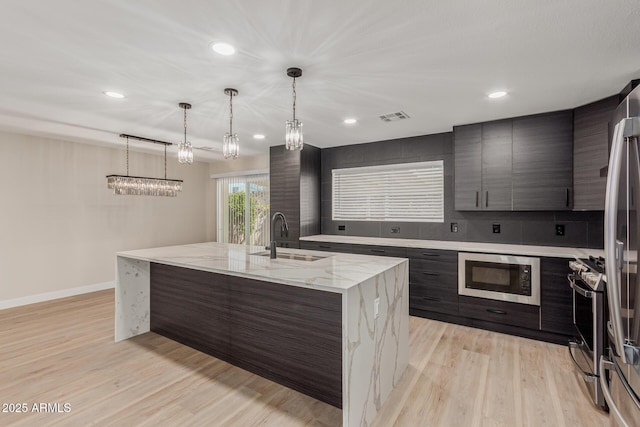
{"points": [[435, 60]]}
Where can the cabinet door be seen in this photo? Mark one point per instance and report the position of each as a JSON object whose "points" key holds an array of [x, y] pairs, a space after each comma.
{"points": [[543, 161], [468, 172], [496, 165], [556, 297], [591, 129], [502, 312]]}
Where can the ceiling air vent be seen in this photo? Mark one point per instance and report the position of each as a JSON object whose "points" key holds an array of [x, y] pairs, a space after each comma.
{"points": [[392, 117]]}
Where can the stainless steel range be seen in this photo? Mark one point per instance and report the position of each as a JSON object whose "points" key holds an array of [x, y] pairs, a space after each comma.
{"points": [[587, 280]]}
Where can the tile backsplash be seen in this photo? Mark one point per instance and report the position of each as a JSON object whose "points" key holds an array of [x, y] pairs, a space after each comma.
{"points": [[581, 229]]}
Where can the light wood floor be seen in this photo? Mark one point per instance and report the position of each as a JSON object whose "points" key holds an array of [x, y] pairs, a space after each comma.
{"points": [[63, 352]]}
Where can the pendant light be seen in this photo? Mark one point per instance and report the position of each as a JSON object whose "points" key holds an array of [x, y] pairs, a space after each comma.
{"points": [[185, 151], [293, 133], [230, 146]]}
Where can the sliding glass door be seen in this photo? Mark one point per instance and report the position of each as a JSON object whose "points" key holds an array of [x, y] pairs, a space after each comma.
{"points": [[243, 209]]}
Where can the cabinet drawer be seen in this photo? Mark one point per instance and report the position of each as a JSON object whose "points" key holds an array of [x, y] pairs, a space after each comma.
{"points": [[433, 297], [430, 274], [506, 313], [329, 247], [448, 257], [380, 250]]}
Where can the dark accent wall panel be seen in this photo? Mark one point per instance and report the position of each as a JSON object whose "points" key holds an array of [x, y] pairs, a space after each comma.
{"points": [[295, 191], [284, 183], [310, 191], [287, 334]]}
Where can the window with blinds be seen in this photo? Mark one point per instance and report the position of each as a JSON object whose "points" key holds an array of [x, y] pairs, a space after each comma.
{"points": [[410, 192], [243, 209]]}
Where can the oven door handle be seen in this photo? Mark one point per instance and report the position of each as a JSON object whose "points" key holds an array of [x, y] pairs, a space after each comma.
{"points": [[588, 377], [587, 293]]}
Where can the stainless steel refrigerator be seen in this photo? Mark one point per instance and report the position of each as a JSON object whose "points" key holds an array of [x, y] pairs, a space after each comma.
{"points": [[620, 370]]}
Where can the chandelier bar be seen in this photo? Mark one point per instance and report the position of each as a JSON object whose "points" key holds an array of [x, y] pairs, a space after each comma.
{"points": [[140, 185]]}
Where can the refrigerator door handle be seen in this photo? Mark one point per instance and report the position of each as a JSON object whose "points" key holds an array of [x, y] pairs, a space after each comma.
{"points": [[606, 366], [610, 243]]}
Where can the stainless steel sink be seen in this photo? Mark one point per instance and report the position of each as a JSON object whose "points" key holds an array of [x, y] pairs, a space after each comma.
{"points": [[288, 255]]}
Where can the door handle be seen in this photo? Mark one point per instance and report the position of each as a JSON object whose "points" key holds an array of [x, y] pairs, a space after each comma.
{"points": [[477, 198], [431, 298], [579, 289], [324, 247], [486, 199], [606, 366], [494, 311], [380, 251], [428, 273], [612, 248], [589, 377], [568, 197], [428, 254]]}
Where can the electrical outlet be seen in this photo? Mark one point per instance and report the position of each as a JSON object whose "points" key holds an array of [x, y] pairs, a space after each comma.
{"points": [[395, 230], [342, 227], [496, 228], [454, 227], [559, 229], [376, 308]]}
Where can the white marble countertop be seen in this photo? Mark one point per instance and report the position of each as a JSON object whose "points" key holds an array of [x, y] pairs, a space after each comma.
{"points": [[335, 272], [549, 251]]}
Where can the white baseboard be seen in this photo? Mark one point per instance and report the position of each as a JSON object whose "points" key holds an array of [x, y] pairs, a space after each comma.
{"points": [[48, 296]]}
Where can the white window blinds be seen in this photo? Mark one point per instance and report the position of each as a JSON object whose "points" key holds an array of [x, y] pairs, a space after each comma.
{"points": [[411, 192]]}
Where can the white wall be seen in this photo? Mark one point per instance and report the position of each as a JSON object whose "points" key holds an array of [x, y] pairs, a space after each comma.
{"points": [[60, 226], [239, 166]]}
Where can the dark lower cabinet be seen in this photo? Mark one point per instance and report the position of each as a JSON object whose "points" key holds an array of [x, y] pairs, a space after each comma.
{"points": [[329, 247], [506, 313], [287, 334], [433, 281], [433, 293], [380, 250], [556, 297]]}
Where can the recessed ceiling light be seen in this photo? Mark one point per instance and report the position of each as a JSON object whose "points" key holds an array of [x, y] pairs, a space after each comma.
{"points": [[114, 94], [350, 121], [498, 94], [258, 136], [223, 48]]}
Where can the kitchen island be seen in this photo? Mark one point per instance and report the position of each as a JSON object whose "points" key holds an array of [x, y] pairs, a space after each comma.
{"points": [[333, 326]]}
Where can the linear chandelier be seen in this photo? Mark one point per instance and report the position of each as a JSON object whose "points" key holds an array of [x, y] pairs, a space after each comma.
{"points": [[144, 186]]}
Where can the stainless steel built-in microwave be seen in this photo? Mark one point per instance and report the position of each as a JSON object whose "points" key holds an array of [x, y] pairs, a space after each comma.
{"points": [[500, 277]]}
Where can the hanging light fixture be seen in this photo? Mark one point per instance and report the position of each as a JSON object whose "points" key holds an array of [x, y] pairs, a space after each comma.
{"points": [[144, 186], [230, 146], [185, 151], [293, 135]]}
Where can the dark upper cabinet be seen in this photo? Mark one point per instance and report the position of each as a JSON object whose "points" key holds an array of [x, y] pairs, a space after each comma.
{"points": [[543, 162], [519, 164], [468, 168], [483, 166], [295, 191], [496, 165], [592, 130]]}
